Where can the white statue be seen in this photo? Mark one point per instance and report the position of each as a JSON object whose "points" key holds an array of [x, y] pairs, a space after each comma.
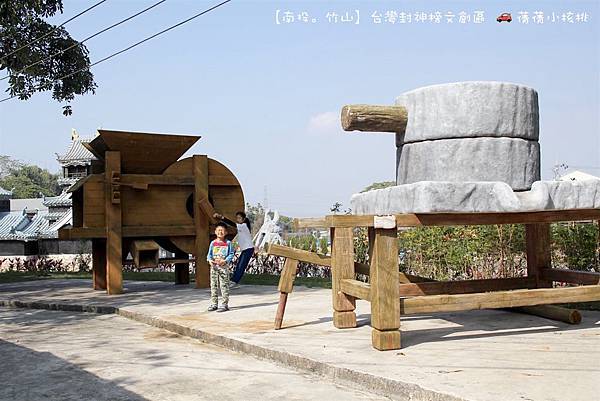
{"points": [[269, 231]]}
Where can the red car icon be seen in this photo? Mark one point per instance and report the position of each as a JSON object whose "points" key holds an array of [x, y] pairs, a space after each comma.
{"points": [[504, 17]]}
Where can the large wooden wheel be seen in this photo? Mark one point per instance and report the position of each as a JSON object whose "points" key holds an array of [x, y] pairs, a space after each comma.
{"points": [[224, 193]]}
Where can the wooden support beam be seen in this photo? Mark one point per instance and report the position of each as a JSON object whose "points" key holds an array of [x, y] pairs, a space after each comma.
{"points": [[280, 310], [499, 299], [113, 220], [371, 118], [286, 286], [384, 279], [571, 276], [298, 254], [356, 288], [571, 316], [99, 263], [288, 274], [182, 268], [342, 267], [207, 209], [200, 169], [465, 286], [539, 254]]}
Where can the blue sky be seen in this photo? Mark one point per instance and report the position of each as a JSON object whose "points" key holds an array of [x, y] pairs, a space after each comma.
{"points": [[266, 97]]}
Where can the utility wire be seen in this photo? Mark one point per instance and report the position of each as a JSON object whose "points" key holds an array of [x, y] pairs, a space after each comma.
{"points": [[84, 40], [134, 45], [54, 30]]}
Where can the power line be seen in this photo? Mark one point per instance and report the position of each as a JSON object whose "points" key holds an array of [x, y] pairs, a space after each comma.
{"points": [[84, 40], [54, 30], [134, 45]]}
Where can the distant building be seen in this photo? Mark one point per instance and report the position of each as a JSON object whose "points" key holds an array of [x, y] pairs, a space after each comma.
{"points": [[75, 162], [30, 226]]}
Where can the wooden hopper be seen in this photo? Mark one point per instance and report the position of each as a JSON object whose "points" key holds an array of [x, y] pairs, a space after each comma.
{"points": [[140, 191]]}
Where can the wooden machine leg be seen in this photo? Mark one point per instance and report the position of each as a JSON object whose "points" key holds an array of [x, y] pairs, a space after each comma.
{"points": [[114, 261], [286, 286], [539, 254], [385, 299], [182, 270], [342, 267], [99, 263], [201, 222]]}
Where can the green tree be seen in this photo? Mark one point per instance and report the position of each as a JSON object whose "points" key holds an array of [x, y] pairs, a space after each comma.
{"points": [[379, 185], [22, 22], [28, 181]]}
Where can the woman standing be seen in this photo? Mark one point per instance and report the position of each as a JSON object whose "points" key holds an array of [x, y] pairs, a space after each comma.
{"points": [[244, 240]]}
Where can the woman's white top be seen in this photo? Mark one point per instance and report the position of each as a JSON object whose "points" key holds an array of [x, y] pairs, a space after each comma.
{"points": [[244, 238]]}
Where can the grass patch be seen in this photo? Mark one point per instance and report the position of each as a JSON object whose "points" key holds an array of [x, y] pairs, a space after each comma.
{"points": [[252, 279]]}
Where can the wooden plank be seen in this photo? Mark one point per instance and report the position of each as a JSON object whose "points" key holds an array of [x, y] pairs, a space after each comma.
{"points": [[288, 274], [383, 254], [342, 267], [222, 180], [356, 288], [311, 222], [539, 254], [99, 264], [158, 231], [157, 179], [571, 276], [374, 118], [465, 286], [200, 170], [114, 266], [450, 219], [499, 299], [207, 210], [571, 316]]}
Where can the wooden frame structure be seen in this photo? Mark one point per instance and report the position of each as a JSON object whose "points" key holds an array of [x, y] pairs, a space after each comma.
{"points": [[393, 294], [140, 196]]}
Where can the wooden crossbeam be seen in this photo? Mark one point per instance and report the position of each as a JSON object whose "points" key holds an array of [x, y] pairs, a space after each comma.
{"points": [[465, 286], [571, 276], [499, 299], [356, 288], [455, 219]]}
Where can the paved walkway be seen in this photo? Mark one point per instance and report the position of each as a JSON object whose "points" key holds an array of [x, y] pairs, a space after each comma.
{"points": [[477, 355], [54, 355]]}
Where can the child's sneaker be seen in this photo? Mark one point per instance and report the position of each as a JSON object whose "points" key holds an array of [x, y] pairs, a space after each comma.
{"points": [[233, 285], [212, 308], [223, 308]]}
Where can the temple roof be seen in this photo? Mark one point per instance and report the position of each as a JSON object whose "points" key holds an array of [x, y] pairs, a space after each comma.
{"points": [[64, 200], [76, 153], [17, 225]]}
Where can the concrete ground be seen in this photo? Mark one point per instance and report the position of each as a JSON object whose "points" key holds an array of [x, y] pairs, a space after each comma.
{"points": [[55, 355], [477, 355]]}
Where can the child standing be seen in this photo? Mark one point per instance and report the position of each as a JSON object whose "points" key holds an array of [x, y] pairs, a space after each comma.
{"points": [[244, 239], [220, 254]]}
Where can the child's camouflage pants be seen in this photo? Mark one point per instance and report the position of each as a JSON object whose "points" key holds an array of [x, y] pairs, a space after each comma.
{"points": [[219, 275]]}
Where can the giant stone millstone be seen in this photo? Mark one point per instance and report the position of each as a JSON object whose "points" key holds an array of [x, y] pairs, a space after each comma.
{"points": [[470, 131]]}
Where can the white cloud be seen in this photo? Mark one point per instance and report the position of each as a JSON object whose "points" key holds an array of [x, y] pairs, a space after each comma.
{"points": [[324, 123]]}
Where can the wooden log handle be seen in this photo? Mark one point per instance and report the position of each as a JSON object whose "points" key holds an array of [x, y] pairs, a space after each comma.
{"points": [[369, 118]]}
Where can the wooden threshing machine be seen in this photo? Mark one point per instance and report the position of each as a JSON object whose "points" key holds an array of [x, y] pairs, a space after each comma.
{"points": [[139, 196]]}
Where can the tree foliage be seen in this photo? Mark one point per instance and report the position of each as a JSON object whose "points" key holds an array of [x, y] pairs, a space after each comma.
{"points": [[28, 181], [22, 22]]}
